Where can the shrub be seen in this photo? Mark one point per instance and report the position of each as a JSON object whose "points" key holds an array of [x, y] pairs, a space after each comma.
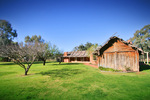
{"points": [[108, 69]]}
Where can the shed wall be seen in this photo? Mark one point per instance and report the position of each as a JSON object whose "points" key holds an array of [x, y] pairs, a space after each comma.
{"points": [[120, 56], [126, 61]]}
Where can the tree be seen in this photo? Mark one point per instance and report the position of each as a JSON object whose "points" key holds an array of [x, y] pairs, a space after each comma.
{"points": [[49, 51], [43, 52], [22, 54], [141, 38], [88, 45], [58, 54], [33, 39], [83, 47], [7, 34], [46, 51], [92, 49]]}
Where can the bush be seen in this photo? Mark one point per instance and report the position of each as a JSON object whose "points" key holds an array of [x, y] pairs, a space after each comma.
{"points": [[4, 59], [108, 69]]}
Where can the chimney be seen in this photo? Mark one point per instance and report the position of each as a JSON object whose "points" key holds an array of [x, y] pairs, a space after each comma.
{"points": [[65, 53]]}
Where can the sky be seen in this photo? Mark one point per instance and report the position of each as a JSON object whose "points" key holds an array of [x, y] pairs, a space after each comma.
{"points": [[69, 23]]}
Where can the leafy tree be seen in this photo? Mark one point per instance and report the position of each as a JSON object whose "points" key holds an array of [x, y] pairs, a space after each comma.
{"points": [[141, 38], [83, 47], [34, 38], [88, 45], [58, 54], [7, 34], [92, 49]]}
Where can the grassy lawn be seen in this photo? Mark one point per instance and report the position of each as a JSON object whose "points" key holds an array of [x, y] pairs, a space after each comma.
{"points": [[71, 82]]}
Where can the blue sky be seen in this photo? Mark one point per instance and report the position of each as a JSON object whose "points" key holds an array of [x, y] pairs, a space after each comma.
{"points": [[69, 23]]}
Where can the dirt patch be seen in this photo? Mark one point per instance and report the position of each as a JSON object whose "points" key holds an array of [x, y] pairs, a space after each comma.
{"points": [[140, 73], [91, 65]]}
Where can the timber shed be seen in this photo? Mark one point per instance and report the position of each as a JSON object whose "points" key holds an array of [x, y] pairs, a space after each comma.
{"points": [[118, 54]]}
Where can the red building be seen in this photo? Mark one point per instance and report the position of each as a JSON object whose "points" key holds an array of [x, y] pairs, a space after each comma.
{"points": [[76, 56]]}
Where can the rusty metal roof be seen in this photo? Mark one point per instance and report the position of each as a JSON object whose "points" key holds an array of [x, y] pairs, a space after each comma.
{"points": [[77, 54], [125, 42]]}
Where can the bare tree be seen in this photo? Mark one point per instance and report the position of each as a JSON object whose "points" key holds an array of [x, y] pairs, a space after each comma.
{"points": [[43, 52], [48, 50], [22, 54]]}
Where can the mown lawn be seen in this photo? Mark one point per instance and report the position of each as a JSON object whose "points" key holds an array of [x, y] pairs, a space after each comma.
{"points": [[71, 82]]}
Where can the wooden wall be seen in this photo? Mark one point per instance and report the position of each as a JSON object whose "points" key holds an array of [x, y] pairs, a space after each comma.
{"points": [[121, 57], [66, 59]]}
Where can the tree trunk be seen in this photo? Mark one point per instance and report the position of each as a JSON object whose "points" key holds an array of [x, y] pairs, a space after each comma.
{"points": [[44, 61], [60, 62], [26, 72], [27, 69]]}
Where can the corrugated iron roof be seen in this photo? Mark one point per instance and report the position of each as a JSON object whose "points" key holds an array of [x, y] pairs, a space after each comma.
{"points": [[125, 42], [77, 54]]}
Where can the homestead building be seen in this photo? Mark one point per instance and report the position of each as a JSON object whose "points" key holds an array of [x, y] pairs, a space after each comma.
{"points": [[76, 56], [118, 54], [115, 53]]}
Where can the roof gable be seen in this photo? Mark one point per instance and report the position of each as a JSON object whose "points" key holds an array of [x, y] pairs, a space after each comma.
{"points": [[112, 41]]}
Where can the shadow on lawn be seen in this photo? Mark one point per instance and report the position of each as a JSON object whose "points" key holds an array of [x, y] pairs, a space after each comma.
{"points": [[7, 63], [41, 62], [12, 63], [62, 73], [67, 64], [144, 67], [6, 73]]}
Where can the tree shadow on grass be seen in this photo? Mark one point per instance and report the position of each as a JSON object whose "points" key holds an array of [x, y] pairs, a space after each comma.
{"points": [[7, 63], [67, 64], [6, 73], [40, 62], [144, 67], [62, 73]]}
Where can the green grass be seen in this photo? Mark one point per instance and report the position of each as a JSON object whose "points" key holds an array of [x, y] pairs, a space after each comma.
{"points": [[71, 82]]}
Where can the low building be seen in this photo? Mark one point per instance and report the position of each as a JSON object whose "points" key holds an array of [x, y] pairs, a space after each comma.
{"points": [[118, 54], [76, 56]]}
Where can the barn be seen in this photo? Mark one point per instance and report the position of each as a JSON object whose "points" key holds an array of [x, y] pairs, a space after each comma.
{"points": [[118, 54]]}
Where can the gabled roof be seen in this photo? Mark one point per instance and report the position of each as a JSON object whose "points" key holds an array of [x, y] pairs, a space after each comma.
{"points": [[100, 49], [77, 54]]}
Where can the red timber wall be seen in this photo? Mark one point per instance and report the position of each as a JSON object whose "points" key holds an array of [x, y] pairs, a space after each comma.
{"points": [[65, 59], [120, 57]]}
